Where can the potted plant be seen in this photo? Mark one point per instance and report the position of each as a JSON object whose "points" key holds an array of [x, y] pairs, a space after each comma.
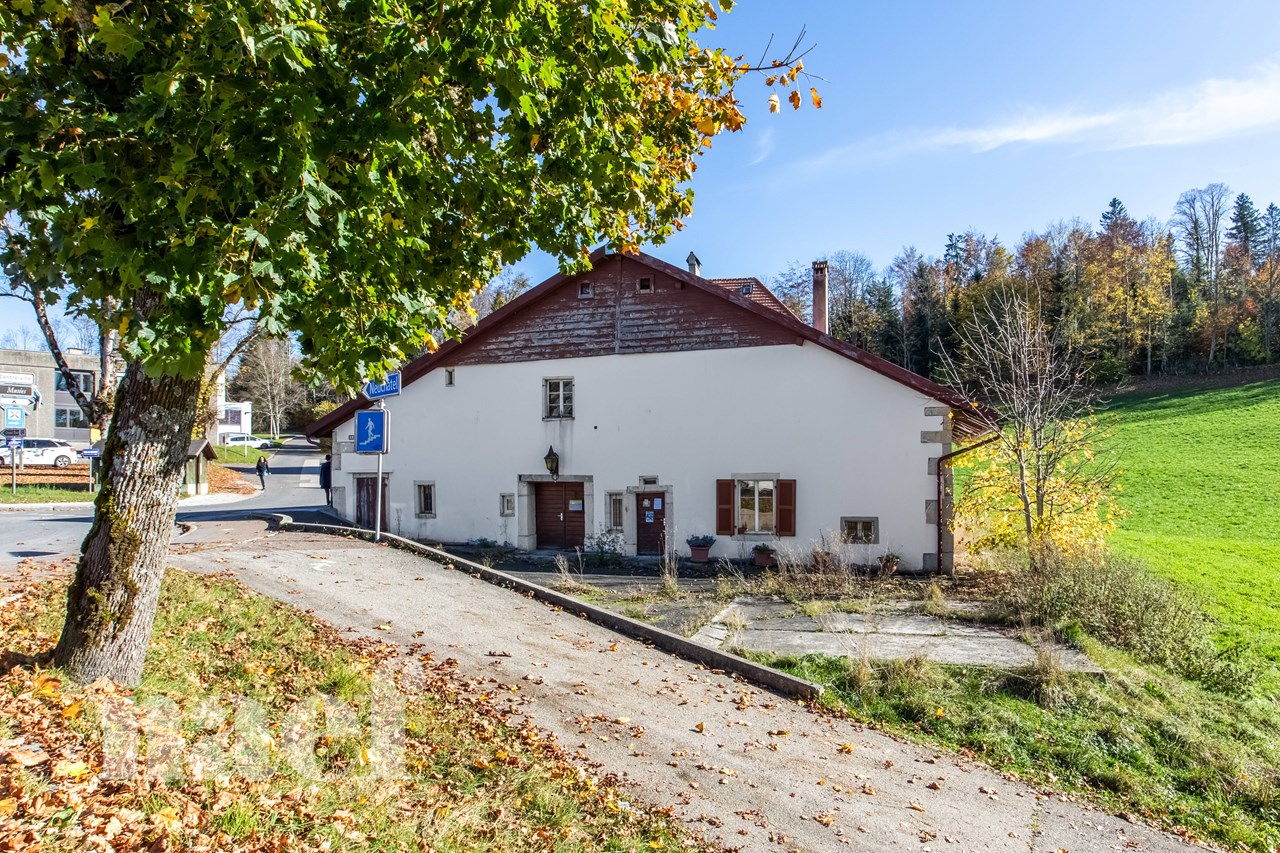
{"points": [[763, 553], [889, 563], [700, 547]]}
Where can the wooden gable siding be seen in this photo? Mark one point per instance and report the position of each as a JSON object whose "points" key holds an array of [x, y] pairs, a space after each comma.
{"points": [[618, 319]]}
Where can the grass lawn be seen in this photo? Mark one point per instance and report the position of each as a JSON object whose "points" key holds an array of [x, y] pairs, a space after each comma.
{"points": [[1140, 741], [241, 455], [1202, 485], [225, 673], [44, 494]]}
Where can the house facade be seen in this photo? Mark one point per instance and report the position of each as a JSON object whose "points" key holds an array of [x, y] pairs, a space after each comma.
{"points": [[25, 374], [643, 402]]}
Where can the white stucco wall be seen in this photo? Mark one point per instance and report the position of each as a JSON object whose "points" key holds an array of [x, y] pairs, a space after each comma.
{"points": [[850, 437]]}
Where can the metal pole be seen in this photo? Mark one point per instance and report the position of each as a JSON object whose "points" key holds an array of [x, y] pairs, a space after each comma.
{"points": [[13, 464], [377, 489]]}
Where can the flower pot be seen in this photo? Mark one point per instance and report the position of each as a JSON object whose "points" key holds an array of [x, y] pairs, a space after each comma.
{"points": [[699, 553], [763, 559]]}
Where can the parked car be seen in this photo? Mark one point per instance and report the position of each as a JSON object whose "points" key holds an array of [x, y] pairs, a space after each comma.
{"points": [[243, 440], [42, 451]]}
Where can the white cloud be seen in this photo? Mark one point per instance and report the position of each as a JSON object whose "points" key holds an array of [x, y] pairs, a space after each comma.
{"points": [[1215, 109], [764, 147]]}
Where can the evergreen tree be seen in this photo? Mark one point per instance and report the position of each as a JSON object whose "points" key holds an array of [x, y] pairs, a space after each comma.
{"points": [[1115, 211], [1246, 229]]}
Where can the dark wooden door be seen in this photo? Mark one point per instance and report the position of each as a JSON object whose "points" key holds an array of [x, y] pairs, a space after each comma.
{"points": [[366, 499], [559, 515], [651, 523]]}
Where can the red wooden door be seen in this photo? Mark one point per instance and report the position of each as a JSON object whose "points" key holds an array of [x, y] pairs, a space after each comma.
{"points": [[559, 515], [651, 523], [366, 500]]}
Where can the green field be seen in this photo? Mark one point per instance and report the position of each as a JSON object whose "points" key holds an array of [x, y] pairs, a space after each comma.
{"points": [[1201, 481]]}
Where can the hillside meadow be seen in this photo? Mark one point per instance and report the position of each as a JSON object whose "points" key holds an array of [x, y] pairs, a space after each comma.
{"points": [[1201, 481]]}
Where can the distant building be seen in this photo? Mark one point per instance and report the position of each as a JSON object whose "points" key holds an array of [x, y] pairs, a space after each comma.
{"points": [[23, 372], [233, 418]]}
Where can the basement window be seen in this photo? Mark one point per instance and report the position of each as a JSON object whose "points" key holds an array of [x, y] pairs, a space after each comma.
{"points": [[645, 285], [860, 530], [426, 498], [506, 505]]}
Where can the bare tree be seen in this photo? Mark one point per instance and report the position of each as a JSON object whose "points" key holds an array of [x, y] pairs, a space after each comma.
{"points": [[266, 373], [1043, 481], [1199, 220]]}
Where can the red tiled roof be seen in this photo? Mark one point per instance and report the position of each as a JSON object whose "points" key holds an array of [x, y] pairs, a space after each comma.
{"points": [[970, 419], [758, 294]]}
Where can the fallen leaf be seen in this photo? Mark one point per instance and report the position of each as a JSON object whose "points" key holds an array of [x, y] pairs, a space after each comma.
{"points": [[70, 770], [700, 728], [916, 806], [846, 749], [28, 757], [382, 627]]}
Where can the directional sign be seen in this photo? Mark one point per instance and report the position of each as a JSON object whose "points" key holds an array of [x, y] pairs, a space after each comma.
{"points": [[13, 442], [371, 431], [14, 417], [91, 453], [18, 432], [390, 388]]}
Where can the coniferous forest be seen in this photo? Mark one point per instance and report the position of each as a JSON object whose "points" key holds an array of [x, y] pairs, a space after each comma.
{"points": [[1198, 293]]}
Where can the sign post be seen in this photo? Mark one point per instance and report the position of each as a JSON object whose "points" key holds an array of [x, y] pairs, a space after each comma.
{"points": [[371, 437], [13, 437], [92, 454]]}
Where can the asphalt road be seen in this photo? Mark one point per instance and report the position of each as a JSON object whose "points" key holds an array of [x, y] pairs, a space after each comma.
{"points": [[293, 487]]}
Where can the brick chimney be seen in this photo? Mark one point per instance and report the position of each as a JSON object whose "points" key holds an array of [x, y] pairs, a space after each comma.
{"points": [[820, 296], [695, 265]]}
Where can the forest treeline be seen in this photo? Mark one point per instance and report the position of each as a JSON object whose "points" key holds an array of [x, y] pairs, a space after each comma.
{"points": [[1193, 294]]}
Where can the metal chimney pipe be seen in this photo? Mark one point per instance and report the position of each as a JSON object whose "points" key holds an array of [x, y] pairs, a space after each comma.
{"points": [[820, 296], [695, 265]]}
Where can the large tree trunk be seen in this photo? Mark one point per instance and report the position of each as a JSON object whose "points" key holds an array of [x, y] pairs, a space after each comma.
{"points": [[111, 605]]}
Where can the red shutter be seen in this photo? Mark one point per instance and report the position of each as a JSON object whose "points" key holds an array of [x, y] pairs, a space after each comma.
{"points": [[724, 507], [786, 507]]}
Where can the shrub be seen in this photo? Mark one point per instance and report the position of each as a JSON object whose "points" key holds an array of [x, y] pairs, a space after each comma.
{"points": [[1122, 602]]}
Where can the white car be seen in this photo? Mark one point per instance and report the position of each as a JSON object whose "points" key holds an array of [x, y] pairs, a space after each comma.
{"points": [[244, 440], [42, 451]]}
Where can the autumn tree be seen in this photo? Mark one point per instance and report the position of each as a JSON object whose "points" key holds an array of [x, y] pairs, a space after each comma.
{"points": [[266, 375], [1200, 221], [349, 171], [1040, 482]]}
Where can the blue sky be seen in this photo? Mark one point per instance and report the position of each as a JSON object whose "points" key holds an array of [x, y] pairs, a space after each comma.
{"points": [[1001, 117]]}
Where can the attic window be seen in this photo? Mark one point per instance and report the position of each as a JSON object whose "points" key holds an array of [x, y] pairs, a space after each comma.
{"points": [[745, 290], [584, 289], [649, 480], [448, 377], [645, 285]]}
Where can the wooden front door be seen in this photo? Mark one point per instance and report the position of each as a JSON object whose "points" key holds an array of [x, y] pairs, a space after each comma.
{"points": [[366, 499], [651, 523], [560, 515]]}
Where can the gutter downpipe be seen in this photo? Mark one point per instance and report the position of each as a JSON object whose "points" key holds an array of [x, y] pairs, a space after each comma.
{"points": [[944, 462]]}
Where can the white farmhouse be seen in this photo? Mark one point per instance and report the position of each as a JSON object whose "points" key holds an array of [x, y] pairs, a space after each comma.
{"points": [[644, 399]]}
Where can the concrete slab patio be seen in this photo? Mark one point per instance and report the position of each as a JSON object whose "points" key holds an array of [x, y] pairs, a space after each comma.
{"points": [[749, 768], [775, 626]]}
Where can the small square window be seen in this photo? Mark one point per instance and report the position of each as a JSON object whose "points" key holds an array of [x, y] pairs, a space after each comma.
{"points": [[584, 289], [645, 285], [861, 530], [649, 480], [448, 377], [506, 505], [426, 499], [557, 398], [614, 500], [746, 289]]}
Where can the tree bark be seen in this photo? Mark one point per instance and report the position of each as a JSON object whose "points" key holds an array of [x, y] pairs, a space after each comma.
{"points": [[112, 602]]}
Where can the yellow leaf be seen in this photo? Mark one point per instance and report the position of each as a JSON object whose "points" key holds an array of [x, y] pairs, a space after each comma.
{"points": [[70, 770], [73, 710], [817, 99], [382, 627], [846, 748], [706, 126], [700, 728], [940, 713], [533, 140], [773, 103], [794, 98], [88, 223], [8, 806]]}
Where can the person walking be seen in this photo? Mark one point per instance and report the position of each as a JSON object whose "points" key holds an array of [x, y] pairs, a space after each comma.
{"points": [[326, 478], [263, 470]]}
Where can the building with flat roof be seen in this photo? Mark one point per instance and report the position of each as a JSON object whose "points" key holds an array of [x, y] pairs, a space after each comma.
{"points": [[28, 374]]}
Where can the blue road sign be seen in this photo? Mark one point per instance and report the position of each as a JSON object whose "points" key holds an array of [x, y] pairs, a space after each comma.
{"points": [[390, 388], [13, 442], [14, 417], [91, 453], [371, 431]]}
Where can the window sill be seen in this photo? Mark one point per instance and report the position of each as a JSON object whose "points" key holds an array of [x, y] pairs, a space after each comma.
{"points": [[561, 418], [424, 515], [753, 537]]}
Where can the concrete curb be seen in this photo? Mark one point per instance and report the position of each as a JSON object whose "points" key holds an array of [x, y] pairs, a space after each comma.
{"points": [[58, 507], [714, 659]]}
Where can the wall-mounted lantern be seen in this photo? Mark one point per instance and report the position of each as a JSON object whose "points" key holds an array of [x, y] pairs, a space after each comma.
{"points": [[553, 463]]}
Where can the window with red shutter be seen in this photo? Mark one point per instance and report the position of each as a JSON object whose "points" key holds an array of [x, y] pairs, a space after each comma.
{"points": [[724, 508], [786, 508]]}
